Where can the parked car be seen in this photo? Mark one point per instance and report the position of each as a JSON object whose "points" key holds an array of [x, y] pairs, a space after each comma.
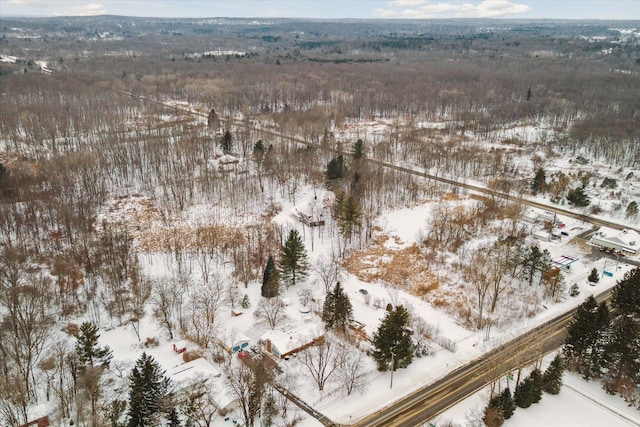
{"points": [[363, 291]]}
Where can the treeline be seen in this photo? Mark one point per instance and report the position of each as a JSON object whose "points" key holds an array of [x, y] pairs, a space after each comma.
{"points": [[604, 341], [502, 406]]}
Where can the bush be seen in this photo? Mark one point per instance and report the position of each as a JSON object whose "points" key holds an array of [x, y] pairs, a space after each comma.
{"points": [[188, 356], [574, 291], [493, 417], [151, 342], [71, 329]]}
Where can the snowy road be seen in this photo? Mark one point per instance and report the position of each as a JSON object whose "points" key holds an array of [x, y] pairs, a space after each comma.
{"points": [[433, 399]]}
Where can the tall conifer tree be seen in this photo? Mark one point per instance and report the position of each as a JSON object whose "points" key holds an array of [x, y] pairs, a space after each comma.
{"points": [[270, 279], [294, 263], [88, 352], [552, 378], [147, 393], [337, 311], [392, 341]]}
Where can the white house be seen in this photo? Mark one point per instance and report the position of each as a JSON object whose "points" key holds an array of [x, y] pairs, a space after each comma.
{"points": [[538, 216], [282, 344], [191, 375], [625, 241]]}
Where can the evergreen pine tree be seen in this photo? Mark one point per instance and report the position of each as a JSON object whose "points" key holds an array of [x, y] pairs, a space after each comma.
{"points": [[88, 352], [294, 263], [622, 352], [593, 361], [335, 168], [349, 216], [582, 330], [358, 149], [258, 148], [115, 412], [536, 385], [270, 280], [574, 290], [593, 276], [226, 143], [337, 310], [626, 294], [536, 262], [578, 197], [173, 419], [632, 209], [148, 388], [539, 184], [245, 302], [328, 309], [392, 341], [524, 395], [338, 204], [507, 404], [552, 378]]}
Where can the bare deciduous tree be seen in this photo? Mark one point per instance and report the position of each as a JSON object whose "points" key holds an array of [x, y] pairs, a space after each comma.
{"points": [[200, 406], [320, 359], [164, 297], [351, 372], [270, 310], [203, 309], [27, 321], [328, 270]]}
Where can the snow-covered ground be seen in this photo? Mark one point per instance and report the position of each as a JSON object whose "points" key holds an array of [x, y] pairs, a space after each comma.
{"points": [[580, 403], [404, 227]]}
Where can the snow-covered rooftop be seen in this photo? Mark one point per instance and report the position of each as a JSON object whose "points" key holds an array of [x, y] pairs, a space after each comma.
{"points": [[626, 240], [286, 342]]}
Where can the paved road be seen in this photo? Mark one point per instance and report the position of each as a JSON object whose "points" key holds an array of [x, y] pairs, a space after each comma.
{"points": [[435, 398]]}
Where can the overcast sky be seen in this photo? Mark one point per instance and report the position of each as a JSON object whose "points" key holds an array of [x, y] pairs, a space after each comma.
{"points": [[567, 9]]}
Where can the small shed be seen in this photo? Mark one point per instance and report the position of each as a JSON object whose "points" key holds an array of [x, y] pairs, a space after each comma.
{"points": [[180, 346], [40, 422], [542, 235], [234, 342]]}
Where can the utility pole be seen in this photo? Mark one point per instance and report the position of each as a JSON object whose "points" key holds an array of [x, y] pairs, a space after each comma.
{"points": [[393, 355]]}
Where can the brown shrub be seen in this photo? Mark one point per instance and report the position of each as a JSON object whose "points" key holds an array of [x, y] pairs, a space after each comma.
{"points": [[71, 329], [188, 356], [151, 342]]}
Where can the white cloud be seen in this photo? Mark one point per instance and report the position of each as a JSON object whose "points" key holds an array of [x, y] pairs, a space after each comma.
{"points": [[36, 3], [421, 9], [403, 3], [385, 13], [89, 9]]}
